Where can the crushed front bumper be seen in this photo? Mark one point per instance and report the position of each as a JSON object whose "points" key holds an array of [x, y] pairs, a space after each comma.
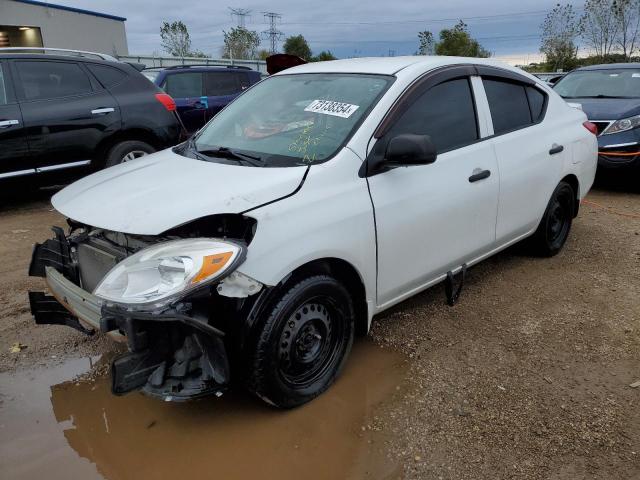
{"points": [[172, 354]]}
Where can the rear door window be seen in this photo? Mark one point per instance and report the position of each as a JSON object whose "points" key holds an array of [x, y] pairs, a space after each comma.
{"points": [[508, 104], [223, 83], [445, 112], [183, 85], [46, 79], [106, 75]]}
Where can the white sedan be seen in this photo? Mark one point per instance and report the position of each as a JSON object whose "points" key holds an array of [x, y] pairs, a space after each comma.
{"points": [[320, 197]]}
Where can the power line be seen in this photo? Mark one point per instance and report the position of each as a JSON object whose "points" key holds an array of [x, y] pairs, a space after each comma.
{"points": [[273, 34], [240, 14]]}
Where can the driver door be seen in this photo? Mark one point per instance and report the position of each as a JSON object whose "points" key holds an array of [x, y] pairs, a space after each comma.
{"points": [[433, 218]]}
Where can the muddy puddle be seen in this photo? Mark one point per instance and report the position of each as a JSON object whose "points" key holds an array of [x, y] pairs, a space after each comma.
{"points": [[55, 426]]}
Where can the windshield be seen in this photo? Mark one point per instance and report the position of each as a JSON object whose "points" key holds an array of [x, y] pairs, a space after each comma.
{"points": [[289, 120], [609, 83]]}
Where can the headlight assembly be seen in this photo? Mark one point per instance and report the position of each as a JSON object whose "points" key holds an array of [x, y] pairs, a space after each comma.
{"points": [[623, 125], [162, 271]]}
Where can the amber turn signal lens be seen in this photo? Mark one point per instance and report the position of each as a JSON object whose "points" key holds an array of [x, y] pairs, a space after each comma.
{"points": [[211, 264]]}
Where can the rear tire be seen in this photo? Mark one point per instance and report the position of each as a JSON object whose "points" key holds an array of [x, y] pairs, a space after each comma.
{"points": [[126, 151], [302, 342], [554, 228]]}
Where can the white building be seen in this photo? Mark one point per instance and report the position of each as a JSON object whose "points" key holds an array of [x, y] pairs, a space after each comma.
{"points": [[28, 23]]}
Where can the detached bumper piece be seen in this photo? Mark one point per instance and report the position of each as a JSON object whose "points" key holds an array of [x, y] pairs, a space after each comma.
{"points": [[173, 354]]}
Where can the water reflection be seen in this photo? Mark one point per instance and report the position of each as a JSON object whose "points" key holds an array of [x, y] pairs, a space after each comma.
{"points": [[234, 436]]}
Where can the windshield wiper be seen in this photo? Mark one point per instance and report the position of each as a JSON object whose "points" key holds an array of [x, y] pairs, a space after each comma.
{"points": [[225, 152]]}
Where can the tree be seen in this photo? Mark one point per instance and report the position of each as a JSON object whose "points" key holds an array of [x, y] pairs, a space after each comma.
{"points": [[627, 13], [324, 56], [427, 43], [240, 43], [263, 54], [297, 45], [559, 31], [175, 39], [599, 26], [457, 41]]}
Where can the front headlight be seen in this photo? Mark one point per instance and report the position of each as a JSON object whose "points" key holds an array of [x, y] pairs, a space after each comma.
{"points": [[166, 269], [623, 125]]}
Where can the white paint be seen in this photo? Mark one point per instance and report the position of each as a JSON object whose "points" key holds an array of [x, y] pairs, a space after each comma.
{"points": [[429, 218]]}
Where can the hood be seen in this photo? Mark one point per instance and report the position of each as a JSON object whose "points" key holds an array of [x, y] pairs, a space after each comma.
{"points": [[152, 194], [608, 108]]}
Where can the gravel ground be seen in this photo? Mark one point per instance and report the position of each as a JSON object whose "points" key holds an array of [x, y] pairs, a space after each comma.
{"points": [[527, 377]]}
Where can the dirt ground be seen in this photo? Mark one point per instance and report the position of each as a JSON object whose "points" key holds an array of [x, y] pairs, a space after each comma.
{"points": [[528, 377]]}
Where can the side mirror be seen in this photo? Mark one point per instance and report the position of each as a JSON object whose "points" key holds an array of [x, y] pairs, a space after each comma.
{"points": [[410, 149]]}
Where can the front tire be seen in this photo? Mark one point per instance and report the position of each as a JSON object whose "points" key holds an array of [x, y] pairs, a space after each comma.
{"points": [[554, 228], [302, 342]]}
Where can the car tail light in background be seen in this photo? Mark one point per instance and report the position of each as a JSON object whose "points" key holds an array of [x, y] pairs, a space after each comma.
{"points": [[167, 101], [591, 127]]}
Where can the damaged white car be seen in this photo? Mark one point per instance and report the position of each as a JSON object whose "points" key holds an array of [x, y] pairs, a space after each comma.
{"points": [[323, 195]]}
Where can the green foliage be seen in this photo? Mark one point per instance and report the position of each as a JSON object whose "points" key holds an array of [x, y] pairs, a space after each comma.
{"points": [[324, 56], [599, 26], [297, 45], [240, 43], [456, 41], [263, 54], [175, 39], [427, 43], [559, 32]]}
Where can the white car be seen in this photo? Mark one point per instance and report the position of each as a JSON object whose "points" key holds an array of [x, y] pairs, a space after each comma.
{"points": [[320, 197]]}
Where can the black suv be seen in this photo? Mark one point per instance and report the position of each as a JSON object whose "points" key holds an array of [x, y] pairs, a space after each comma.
{"points": [[70, 111]]}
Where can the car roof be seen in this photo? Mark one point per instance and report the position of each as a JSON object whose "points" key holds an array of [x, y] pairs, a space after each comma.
{"points": [[40, 56], [390, 65], [609, 66]]}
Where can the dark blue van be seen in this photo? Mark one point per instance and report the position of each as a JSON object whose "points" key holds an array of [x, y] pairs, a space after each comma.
{"points": [[610, 96], [201, 91]]}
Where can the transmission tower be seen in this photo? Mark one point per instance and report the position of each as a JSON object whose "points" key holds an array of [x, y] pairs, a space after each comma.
{"points": [[273, 34], [240, 14]]}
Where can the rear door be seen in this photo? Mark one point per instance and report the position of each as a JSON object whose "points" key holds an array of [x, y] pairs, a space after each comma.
{"points": [[222, 87], [66, 112], [187, 90], [530, 154], [14, 151]]}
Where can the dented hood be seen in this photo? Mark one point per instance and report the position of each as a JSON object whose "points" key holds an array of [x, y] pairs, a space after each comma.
{"points": [[155, 193]]}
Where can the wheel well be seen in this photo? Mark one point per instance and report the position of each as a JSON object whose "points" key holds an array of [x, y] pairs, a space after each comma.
{"points": [[572, 180], [345, 273], [122, 136]]}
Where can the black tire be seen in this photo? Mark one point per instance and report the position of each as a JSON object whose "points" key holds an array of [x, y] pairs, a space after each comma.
{"points": [[118, 153], [302, 342], [554, 228]]}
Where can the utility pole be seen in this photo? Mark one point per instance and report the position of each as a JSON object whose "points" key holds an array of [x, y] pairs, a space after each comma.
{"points": [[240, 14], [273, 34]]}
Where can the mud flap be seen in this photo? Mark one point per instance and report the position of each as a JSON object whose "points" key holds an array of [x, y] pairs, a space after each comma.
{"points": [[451, 290], [46, 310], [198, 368]]}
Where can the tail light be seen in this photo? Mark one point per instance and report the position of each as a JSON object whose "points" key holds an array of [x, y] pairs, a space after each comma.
{"points": [[167, 101], [591, 127]]}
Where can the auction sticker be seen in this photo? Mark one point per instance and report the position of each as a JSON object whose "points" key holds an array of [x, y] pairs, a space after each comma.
{"points": [[328, 107]]}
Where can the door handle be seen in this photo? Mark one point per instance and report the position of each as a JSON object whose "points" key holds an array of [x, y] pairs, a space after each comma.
{"points": [[479, 175], [8, 123], [102, 111], [555, 148]]}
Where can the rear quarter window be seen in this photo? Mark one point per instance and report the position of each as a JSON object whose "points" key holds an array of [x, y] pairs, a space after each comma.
{"points": [[537, 101], [106, 75], [225, 83]]}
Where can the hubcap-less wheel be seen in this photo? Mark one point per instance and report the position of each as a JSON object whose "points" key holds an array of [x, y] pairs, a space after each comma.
{"points": [[559, 219], [311, 337], [132, 155]]}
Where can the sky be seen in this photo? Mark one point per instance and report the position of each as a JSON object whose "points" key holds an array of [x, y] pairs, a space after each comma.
{"points": [[510, 30]]}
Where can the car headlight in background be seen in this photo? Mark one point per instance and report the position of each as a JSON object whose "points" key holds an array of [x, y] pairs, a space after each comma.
{"points": [[623, 125], [166, 269]]}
